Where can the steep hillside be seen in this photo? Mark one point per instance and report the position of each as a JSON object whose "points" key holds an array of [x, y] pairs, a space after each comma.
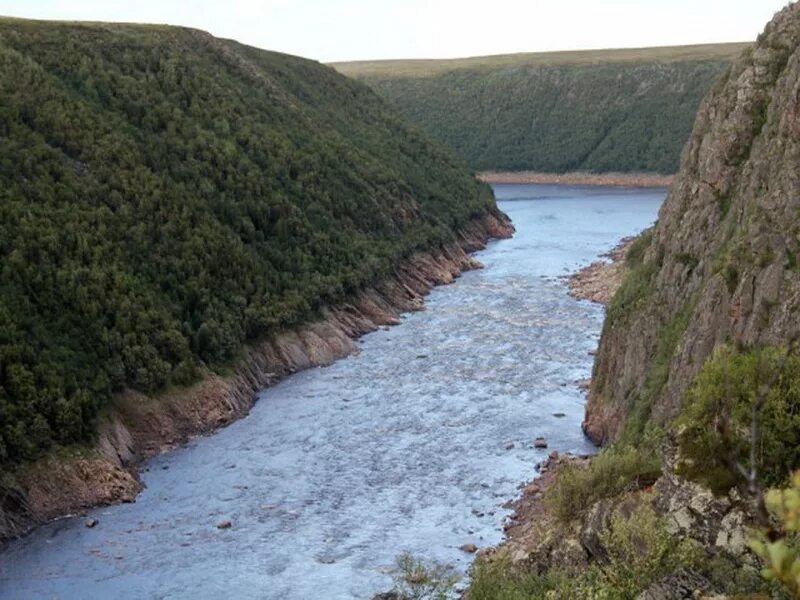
{"points": [[167, 197], [605, 110], [721, 266]]}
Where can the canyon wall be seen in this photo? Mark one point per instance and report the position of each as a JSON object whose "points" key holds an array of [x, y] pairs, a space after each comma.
{"points": [[721, 265]]}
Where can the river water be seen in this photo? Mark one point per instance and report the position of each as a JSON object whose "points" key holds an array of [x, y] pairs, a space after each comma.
{"points": [[413, 445]]}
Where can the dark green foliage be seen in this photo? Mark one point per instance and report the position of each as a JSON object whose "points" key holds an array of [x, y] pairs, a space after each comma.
{"points": [[635, 255], [636, 284], [731, 275], [625, 116], [687, 260], [637, 422], [166, 196], [717, 412]]}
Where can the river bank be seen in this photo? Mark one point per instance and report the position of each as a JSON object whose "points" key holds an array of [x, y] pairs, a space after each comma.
{"points": [[527, 527], [532, 533], [599, 281], [538, 541], [137, 427], [414, 444], [578, 178]]}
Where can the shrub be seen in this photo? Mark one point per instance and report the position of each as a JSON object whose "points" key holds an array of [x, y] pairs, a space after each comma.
{"points": [[714, 427], [635, 254], [423, 580], [611, 472], [633, 291], [497, 579], [640, 549]]}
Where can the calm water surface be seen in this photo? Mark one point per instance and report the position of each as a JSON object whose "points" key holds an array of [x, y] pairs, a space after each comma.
{"points": [[406, 446]]}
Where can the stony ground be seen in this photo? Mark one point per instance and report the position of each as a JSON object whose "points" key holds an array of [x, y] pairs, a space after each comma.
{"points": [[599, 281]]}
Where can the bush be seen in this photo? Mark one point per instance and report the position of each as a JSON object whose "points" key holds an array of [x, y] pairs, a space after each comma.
{"points": [[497, 579], [714, 427], [611, 472], [640, 552], [423, 580]]}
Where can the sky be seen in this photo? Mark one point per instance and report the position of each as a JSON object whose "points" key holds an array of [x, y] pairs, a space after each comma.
{"points": [[331, 30]]}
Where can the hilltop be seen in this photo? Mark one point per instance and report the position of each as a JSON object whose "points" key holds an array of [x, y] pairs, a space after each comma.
{"points": [[628, 110]]}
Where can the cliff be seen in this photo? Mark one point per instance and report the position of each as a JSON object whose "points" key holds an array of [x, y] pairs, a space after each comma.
{"points": [[721, 264], [593, 110]]}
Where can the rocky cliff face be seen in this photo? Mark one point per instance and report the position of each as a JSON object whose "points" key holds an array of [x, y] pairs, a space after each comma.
{"points": [[722, 263]]}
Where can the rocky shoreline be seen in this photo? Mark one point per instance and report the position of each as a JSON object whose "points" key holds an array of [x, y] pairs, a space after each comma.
{"points": [[136, 426], [527, 530], [579, 178], [536, 541], [599, 281]]}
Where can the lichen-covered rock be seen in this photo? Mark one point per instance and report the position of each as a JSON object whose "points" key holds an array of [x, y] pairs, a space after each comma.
{"points": [[690, 509], [733, 535]]}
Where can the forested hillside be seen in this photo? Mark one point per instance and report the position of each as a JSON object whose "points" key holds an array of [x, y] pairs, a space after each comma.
{"points": [[166, 196], [601, 111]]}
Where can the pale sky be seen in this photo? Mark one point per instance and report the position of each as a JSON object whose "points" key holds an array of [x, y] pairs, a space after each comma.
{"points": [[371, 29]]}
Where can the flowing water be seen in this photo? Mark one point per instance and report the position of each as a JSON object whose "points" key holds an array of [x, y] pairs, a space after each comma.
{"points": [[413, 445]]}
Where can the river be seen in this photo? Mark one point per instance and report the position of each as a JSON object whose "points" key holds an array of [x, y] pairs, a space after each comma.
{"points": [[412, 445]]}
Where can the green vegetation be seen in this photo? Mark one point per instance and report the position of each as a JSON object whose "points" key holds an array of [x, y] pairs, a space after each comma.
{"points": [[714, 426], [633, 291], [613, 471], [640, 552], [630, 298], [781, 554], [167, 196], [440, 66], [637, 423], [604, 110], [416, 579]]}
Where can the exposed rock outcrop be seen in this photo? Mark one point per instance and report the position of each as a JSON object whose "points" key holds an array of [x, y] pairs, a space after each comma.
{"points": [[722, 264], [138, 426]]}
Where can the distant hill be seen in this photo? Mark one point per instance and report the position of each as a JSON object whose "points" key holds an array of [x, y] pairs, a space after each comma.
{"points": [[166, 197], [595, 110]]}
